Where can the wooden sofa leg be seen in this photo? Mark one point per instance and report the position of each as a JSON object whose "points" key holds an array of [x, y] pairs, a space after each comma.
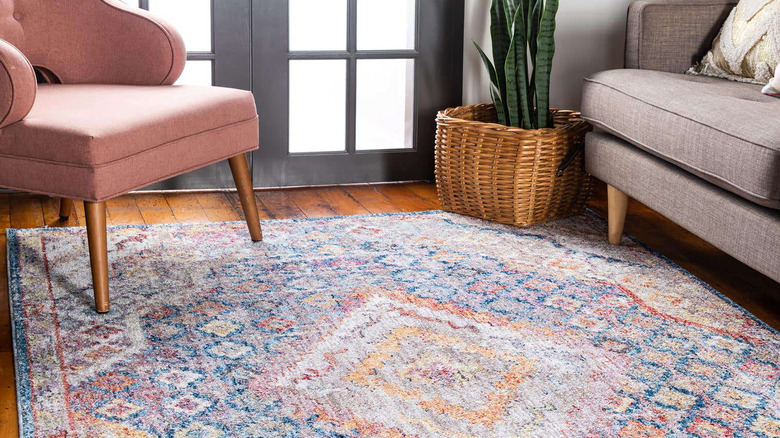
{"points": [[240, 170], [617, 205], [98, 252], [66, 208]]}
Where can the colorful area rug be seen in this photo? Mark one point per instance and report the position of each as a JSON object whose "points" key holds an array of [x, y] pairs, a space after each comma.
{"points": [[430, 325]]}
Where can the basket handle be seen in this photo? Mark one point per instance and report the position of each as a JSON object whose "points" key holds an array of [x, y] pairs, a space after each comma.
{"points": [[569, 158]]}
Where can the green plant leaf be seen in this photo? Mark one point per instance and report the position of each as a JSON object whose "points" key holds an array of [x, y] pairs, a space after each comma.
{"points": [[534, 13], [534, 8], [510, 7], [512, 99], [517, 75], [543, 64], [499, 106], [488, 65], [496, 95], [501, 38]]}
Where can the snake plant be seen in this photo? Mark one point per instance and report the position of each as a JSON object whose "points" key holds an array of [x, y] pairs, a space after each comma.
{"points": [[523, 35]]}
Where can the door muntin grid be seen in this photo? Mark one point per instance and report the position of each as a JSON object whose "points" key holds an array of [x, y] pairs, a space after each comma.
{"points": [[354, 57]]}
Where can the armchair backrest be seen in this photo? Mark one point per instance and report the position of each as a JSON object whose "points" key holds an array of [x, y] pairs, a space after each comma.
{"points": [[93, 41]]}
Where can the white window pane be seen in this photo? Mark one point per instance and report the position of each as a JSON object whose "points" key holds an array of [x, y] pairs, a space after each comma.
{"points": [[385, 104], [192, 18], [386, 25], [318, 25], [131, 2], [196, 73], [318, 105]]}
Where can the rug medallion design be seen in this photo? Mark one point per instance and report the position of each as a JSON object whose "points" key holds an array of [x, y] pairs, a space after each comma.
{"points": [[430, 325]]}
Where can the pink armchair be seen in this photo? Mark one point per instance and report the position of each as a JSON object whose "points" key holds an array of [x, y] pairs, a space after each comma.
{"points": [[88, 111]]}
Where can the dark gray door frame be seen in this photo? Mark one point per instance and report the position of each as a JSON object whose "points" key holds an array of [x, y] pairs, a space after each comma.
{"points": [[438, 59]]}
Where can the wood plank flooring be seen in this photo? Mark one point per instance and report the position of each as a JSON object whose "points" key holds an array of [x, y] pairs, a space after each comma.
{"points": [[755, 292]]}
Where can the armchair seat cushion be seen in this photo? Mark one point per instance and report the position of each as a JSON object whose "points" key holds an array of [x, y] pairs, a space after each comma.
{"points": [[724, 132], [94, 142]]}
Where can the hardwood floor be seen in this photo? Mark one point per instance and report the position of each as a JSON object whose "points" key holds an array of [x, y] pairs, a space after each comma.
{"points": [[753, 291]]}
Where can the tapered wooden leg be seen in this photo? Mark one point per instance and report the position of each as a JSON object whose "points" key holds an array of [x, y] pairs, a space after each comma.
{"points": [[240, 169], [66, 208], [98, 252], [617, 205]]}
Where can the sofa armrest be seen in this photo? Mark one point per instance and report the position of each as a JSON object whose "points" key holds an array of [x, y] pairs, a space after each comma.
{"points": [[17, 85], [97, 42], [672, 35]]}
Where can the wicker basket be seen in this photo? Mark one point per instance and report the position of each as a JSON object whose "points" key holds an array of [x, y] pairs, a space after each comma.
{"points": [[507, 174]]}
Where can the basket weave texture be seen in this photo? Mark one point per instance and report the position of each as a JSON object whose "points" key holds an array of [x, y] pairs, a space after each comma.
{"points": [[506, 174]]}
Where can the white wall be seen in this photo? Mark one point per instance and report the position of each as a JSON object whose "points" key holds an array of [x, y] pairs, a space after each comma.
{"points": [[589, 38]]}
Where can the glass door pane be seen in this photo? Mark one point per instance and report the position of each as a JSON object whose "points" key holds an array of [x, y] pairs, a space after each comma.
{"points": [[385, 104], [318, 105], [192, 18], [197, 73], [318, 25], [317, 87], [386, 25]]}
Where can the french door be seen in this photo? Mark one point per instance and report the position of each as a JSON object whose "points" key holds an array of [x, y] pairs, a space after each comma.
{"points": [[347, 90]]}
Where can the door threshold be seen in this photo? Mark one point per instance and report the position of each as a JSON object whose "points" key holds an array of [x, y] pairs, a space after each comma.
{"points": [[270, 189]]}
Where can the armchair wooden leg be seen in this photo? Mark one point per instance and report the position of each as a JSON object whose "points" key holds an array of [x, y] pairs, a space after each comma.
{"points": [[98, 252], [66, 208], [617, 205], [240, 170]]}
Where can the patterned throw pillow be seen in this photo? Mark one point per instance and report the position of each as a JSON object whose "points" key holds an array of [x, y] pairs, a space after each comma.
{"points": [[748, 47]]}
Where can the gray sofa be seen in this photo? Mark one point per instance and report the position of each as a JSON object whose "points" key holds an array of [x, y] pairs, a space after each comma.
{"points": [[703, 152]]}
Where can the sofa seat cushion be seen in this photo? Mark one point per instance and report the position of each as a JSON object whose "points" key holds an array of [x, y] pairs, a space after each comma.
{"points": [[724, 132], [93, 142]]}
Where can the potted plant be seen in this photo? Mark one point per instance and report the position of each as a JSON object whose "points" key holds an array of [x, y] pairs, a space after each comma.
{"points": [[514, 161]]}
